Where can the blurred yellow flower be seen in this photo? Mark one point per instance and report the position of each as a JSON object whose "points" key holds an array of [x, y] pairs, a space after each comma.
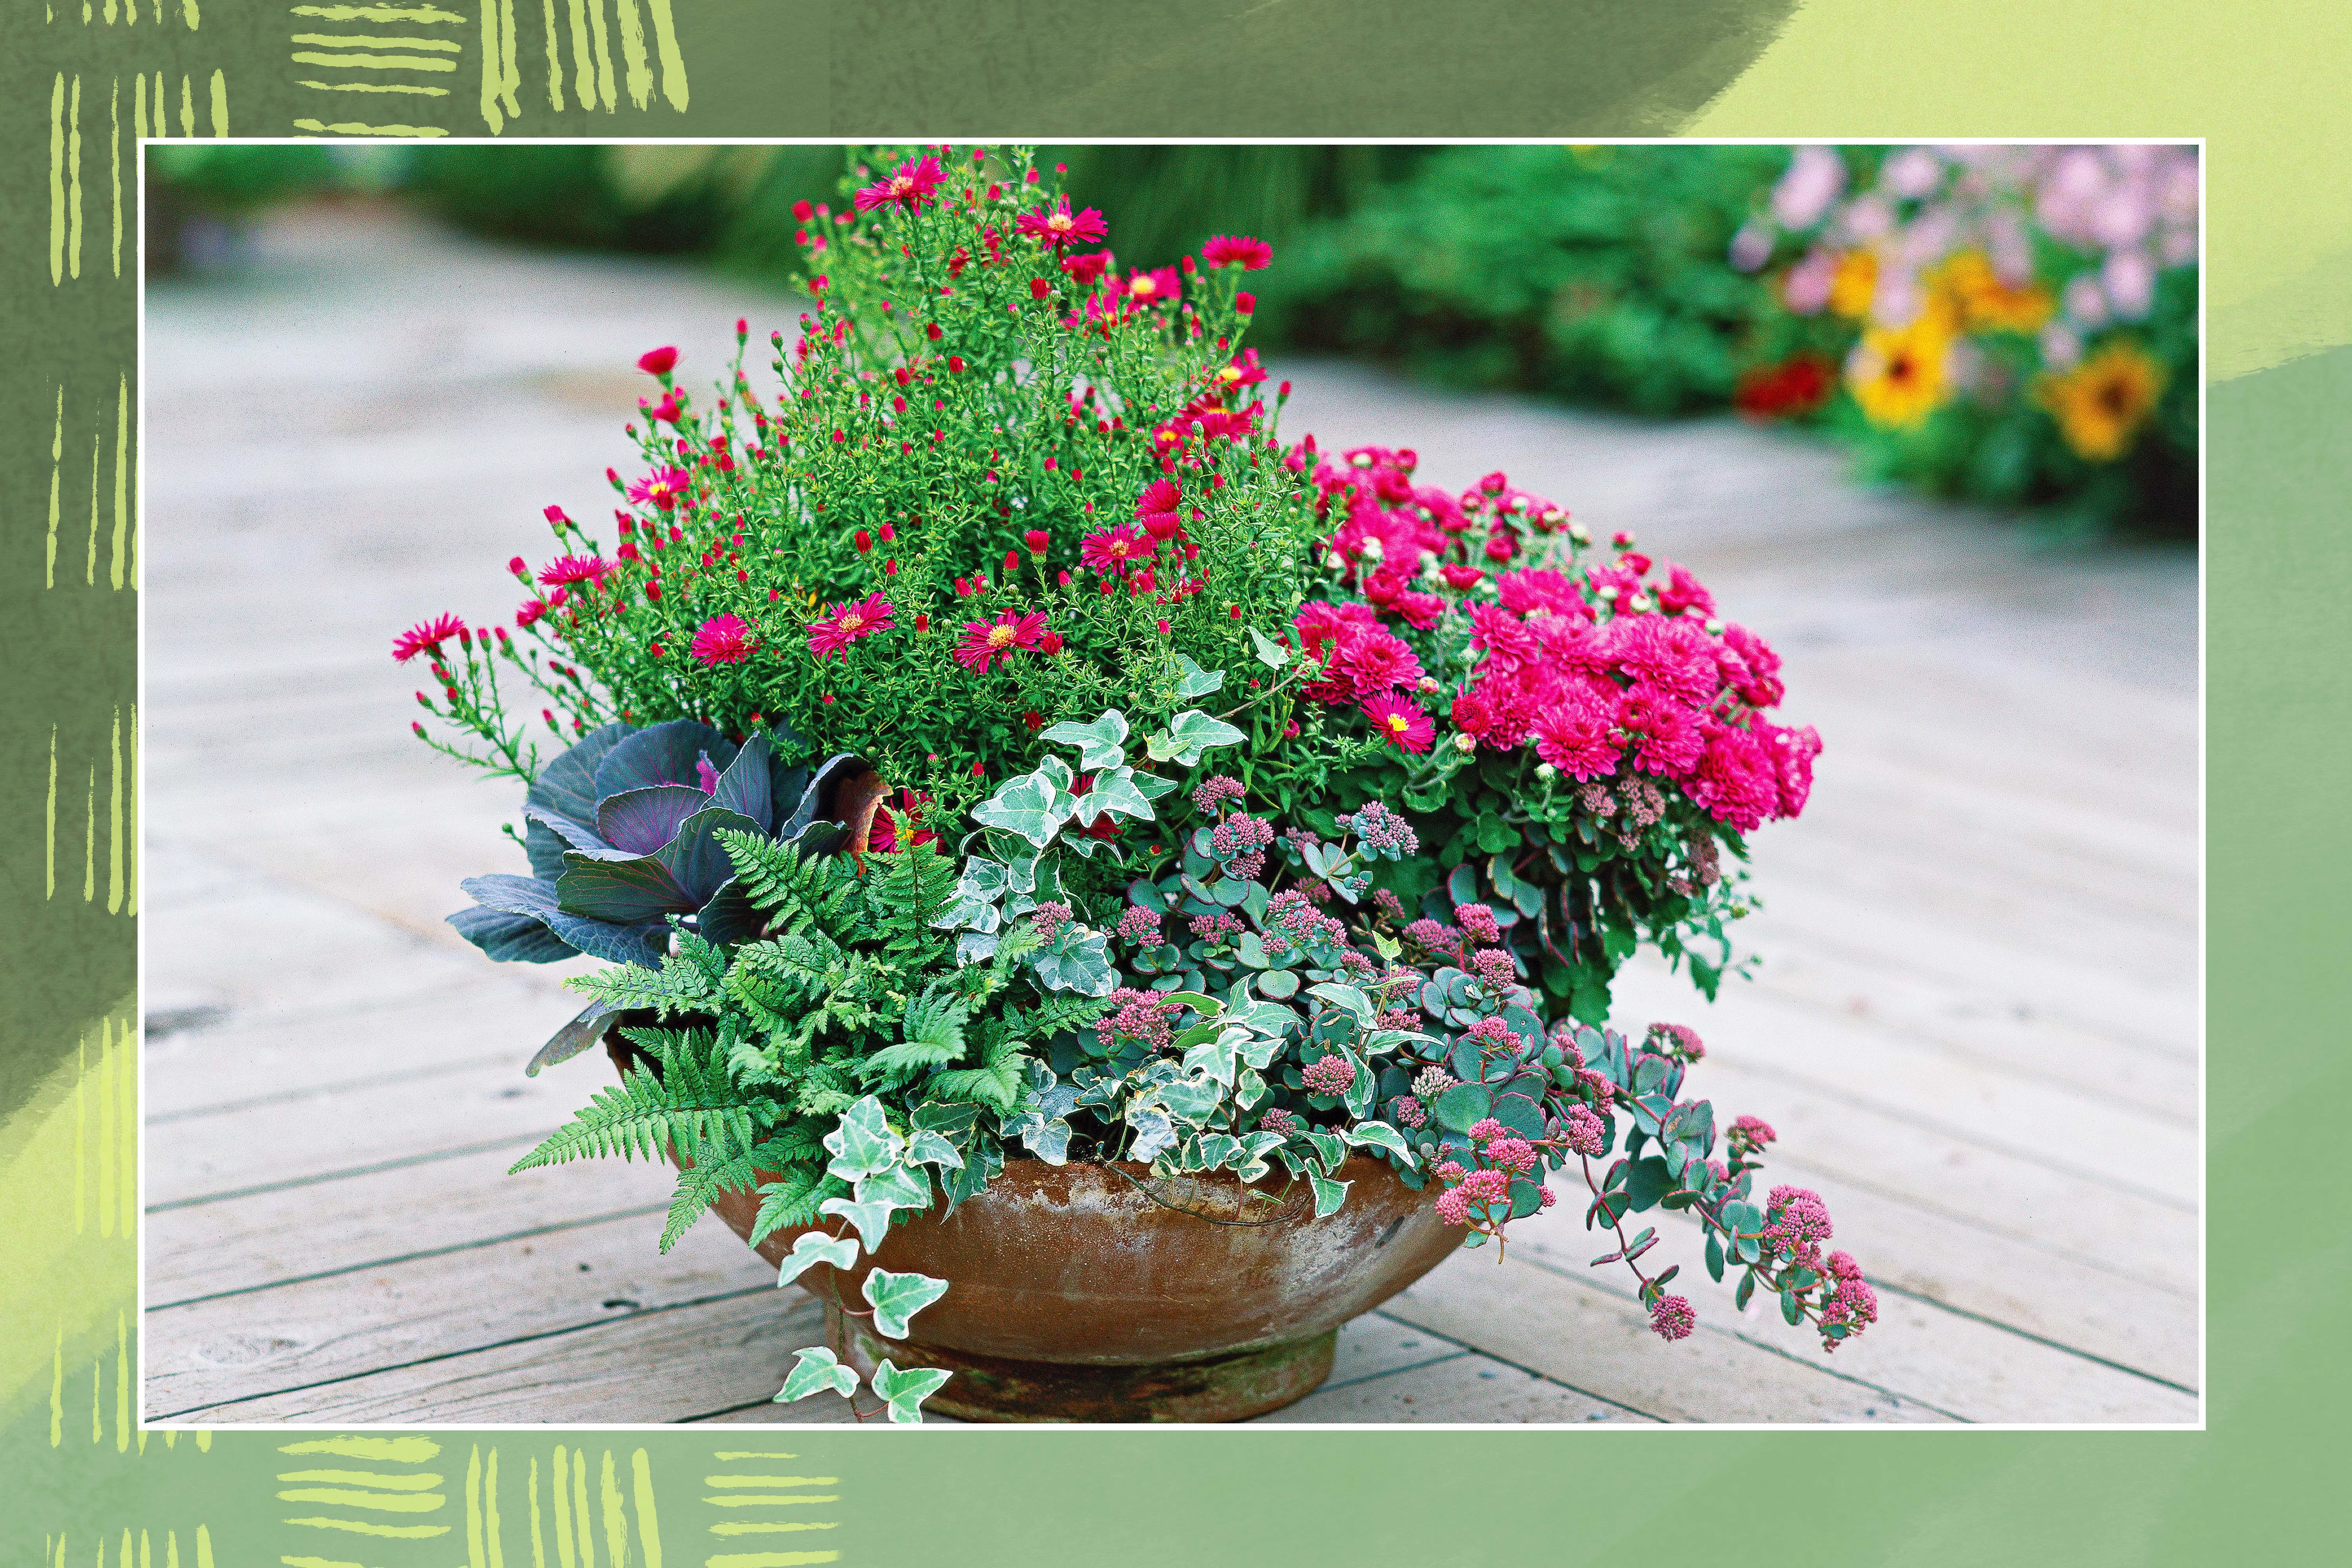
{"points": [[1856, 281], [2101, 403], [1977, 298], [1897, 374]]}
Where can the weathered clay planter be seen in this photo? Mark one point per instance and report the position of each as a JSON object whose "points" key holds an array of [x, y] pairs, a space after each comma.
{"points": [[1099, 1292]]}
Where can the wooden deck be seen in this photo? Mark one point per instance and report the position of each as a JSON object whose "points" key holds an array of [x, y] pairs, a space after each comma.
{"points": [[1977, 1027]]}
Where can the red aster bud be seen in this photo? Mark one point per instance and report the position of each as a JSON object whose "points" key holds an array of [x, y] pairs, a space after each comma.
{"points": [[1036, 539], [658, 362], [1246, 302], [863, 539]]}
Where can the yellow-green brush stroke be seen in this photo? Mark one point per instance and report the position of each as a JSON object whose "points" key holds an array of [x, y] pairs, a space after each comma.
{"points": [[769, 1526], [220, 103], [121, 429], [52, 882], [554, 84], [672, 63], [385, 1450], [375, 87], [761, 1501], [562, 1509], [363, 40], [616, 1517], [376, 14], [57, 181], [604, 55], [382, 1502], [633, 52], [474, 1508], [353, 128], [772, 1481], [369, 1479], [769, 1559], [648, 1525], [73, 187], [374, 62], [370, 1527], [114, 838], [114, 142]]}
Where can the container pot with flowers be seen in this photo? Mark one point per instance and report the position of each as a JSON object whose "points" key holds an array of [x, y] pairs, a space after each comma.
{"points": [[1099, 894]]}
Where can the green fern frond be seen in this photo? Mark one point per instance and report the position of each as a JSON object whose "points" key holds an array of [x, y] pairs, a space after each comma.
{"points": [[791, 1200], [793, 888], [995, 1083], [691, 1106], [698, 1185]]}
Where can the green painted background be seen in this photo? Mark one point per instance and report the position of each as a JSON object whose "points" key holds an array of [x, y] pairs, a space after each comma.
{"points": [[82, 1486]]}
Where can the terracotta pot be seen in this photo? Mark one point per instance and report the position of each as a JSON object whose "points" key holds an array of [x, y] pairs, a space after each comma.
{"points": [[1100, 1292]]}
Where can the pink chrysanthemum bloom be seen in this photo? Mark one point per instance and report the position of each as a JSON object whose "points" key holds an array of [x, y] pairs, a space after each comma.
{"points": [[1396, 719], [426, 637], [1112, 550], [722, 639], [1223, 250], [1059, 228], [1379, 661], [1672, 1319], [1151, 286], [1506, 639], [985, 641], [665, 488], [846, 623], [1579, 737], [909, 187], [567, 570]]}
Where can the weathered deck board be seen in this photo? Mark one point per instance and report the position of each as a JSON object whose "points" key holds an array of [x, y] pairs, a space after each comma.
{"points": [[1976, 1025]]}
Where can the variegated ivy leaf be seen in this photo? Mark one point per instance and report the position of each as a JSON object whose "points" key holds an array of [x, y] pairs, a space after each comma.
{"points": [[1079, 961], [810, 1248], [1211, 1059], [1154, 1131], [1047, 1137], [1347, 998], [1151, 785], [977, 893], [896, 1298], [1362, 1091], [863, 1144], [1251, 1164], [872, 1220], [1270, 653], [1268, 1019], [1116, 793], [1194, 681], [906, 1391], [1249, 1088], [976, 947], [1329, 1149], [818, 1370], [1381, 1135], [1191, 1099], [902, 1186], [1188, 735], [1329, 1194], [926, 1147], [1032, 806], [1101, 744]]}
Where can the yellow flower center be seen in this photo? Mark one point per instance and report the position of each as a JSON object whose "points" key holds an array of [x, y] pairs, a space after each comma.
{"points": [[1143, 287], [1059, 223], [1399, 723], [999, 636], [851, 623]]}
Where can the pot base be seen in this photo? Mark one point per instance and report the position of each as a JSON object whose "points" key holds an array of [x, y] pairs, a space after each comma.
{"points": [[995, 1388]]}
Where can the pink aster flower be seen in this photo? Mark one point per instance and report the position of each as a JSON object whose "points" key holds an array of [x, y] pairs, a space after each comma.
{"points": [[909, 187], [567, 570], [1223, 250], [1111, 550], [983, 641], [1151, 286], [664, 486], [426, 637], [722, 639], [1059, 228], [846, 623], [1160, 499], [1401, 720]]}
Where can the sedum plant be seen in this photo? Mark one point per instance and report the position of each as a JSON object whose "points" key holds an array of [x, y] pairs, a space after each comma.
{"points": [[996, 744]]}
